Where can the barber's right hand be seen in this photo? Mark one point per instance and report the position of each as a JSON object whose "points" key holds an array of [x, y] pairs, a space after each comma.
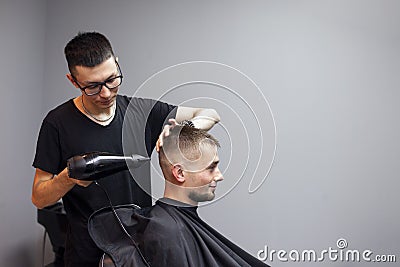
{"points": [[75, 181]]}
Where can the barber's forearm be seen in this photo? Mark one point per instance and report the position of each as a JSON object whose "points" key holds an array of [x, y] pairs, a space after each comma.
{"points": [[48, 192], [205, 119]]}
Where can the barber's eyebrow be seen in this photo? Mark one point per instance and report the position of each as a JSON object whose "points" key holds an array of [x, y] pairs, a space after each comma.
{"points": [[109, 77]]}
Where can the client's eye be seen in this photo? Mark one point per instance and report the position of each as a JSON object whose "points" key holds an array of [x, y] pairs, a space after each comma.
{"points": [[212, 167]]}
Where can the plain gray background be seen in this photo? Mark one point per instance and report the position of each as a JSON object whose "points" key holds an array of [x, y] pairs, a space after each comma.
{"points": [[328, 69]]}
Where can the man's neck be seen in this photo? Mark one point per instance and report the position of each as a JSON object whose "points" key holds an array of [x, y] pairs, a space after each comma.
{"points": [[102, 116], [180, 197]]}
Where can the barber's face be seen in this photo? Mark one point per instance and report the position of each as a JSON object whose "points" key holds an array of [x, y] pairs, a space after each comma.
{"points": [[86, 76], [201, 185]]}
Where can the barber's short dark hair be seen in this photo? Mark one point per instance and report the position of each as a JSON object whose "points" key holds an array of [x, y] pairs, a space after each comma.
{"points": [[87, 49]]}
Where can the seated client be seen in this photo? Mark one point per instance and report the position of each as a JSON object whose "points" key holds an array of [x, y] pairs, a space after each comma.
{"points": [[171, 233]]}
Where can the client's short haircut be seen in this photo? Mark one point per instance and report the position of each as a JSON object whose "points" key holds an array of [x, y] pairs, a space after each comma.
{"points": [[185, 143]]}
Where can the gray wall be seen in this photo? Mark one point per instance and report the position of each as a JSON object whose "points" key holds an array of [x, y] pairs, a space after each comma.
{"points": [[22, 29], [329, 70]]}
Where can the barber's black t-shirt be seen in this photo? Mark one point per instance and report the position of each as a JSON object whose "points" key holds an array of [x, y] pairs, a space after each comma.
{"points": [[66, 132]]}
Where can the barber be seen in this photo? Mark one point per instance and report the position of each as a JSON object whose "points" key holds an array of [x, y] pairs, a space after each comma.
{"points": [[93, 121]]}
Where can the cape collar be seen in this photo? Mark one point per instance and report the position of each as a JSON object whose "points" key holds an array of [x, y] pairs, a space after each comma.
{"points": [[173, 202]]}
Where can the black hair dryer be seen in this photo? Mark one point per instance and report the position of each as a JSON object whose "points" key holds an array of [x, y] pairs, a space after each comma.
{"points": [[96, 165]]}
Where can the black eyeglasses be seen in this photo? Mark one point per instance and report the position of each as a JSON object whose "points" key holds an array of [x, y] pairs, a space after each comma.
{"points": [[95, 88]]}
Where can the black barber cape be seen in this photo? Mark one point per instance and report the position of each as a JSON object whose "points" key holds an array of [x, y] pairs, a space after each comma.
{"points": [[167, 234]]}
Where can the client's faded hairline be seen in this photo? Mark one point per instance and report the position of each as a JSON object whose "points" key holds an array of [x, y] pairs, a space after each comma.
{"points": [[186, 142]]}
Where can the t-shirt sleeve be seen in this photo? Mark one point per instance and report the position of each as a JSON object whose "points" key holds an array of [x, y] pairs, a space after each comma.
{"points": [[47, 157]]}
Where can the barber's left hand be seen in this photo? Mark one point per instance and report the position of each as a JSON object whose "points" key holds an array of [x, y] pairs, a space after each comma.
{"points": [[165, 132]]}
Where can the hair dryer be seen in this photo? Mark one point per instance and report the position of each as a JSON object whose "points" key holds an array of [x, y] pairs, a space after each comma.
{"points": [[96, 165]]}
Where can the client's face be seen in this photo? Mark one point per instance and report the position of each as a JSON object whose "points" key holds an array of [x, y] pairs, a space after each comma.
{"points": [[201, 184]]}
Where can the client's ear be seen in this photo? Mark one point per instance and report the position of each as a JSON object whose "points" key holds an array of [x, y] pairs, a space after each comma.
{"points": [[177, 172]]}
